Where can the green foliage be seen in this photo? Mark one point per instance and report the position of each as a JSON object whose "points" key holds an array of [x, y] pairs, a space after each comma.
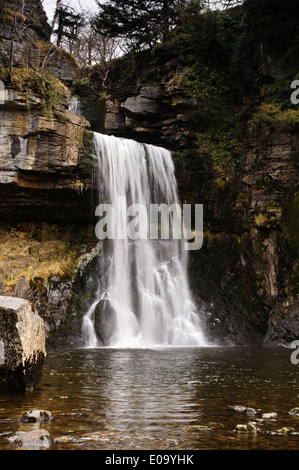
{"points": [[213, 95], [68, 24], [140, 25], [29, 81], [81, 86], [273, 23], [271, 29], [222, 148], [274, 114]]}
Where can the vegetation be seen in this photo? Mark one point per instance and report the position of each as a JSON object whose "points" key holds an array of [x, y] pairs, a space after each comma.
{"points": [[139, 24], [49, 89], [275, 114], [37, 252]]}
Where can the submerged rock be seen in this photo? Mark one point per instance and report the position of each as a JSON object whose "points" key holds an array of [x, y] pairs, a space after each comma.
{"points": [[250, 411], [246, 428], [33, 439], [36, 416], [294, 411], [269, 415], [23, 336], [238, 408], [284, 430]]}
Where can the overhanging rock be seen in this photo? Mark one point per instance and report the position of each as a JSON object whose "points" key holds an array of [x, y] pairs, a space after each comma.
{"points": [[22, 336]]}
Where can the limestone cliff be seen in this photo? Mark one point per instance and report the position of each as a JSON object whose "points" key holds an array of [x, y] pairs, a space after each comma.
{"points": [[25, 40], [44, 173]]}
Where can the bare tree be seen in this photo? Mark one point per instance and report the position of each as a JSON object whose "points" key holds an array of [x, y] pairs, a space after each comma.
{"points": [[89, 47]]}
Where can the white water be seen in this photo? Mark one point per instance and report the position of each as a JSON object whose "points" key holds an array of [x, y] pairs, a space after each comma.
{"points": [[145, 280], [75, 105]]}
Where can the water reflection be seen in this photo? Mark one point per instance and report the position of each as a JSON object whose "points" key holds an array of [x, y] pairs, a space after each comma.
{"points": [[160, 399]]}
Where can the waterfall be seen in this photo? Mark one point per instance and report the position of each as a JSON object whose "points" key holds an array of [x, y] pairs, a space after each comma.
{"points": [[143, 294], [74, 105]]}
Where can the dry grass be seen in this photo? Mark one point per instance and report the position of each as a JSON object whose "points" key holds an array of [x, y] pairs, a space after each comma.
{"points": [[36, 251]]}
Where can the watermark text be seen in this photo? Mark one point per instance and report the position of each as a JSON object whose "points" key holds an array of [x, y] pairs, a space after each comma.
{"points": [[158, 222]]}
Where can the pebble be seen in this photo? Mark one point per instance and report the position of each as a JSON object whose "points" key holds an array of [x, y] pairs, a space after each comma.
{"points": [[285, 430], [269, 415], [239, 409]]}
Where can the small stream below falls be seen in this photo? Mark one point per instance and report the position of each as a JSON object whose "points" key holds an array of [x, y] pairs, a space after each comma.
{"points": [[171, 398]]}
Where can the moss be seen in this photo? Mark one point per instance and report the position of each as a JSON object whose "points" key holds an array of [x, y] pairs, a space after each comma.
{"points": [[260, 219], [31, 82], [87, 163], [274, 114], [8, 16]]}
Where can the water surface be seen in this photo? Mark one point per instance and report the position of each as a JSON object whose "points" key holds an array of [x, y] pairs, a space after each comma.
{"points": [[176, 398]]}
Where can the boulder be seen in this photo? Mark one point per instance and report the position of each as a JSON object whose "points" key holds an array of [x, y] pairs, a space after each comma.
{"points": [[36, 416], [23, 336], [105, 321], [148, 103], [294, 411], [32, 440]]}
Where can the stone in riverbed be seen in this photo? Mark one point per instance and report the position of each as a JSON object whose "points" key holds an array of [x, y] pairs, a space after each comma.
{"points": [[285, 430], [238, 408], [250, 411], [294, 411], [36, 416], [246, 428], [269, 415], [23, 336], [32, 440]]}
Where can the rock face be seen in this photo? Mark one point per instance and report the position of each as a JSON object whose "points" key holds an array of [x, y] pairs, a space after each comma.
{"points": [[148, 103], [29, 38], [22, 332], [44, 171]]}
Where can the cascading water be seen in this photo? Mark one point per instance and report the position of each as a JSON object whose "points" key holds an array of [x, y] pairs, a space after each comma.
{"points": [[74, 105], [143, 294]]}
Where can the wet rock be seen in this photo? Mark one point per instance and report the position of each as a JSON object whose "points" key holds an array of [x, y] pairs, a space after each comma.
{"points": [[238, 408], [294, 411], [23, 335], [36, 416], [250, 411], [284, 430], [105, 321], [269, 415], [246, 428], [33, 439]]}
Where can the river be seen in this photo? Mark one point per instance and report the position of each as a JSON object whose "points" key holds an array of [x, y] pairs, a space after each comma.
{"points": [[168, 398]]}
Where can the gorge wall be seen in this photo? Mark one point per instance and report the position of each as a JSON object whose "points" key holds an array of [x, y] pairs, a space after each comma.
{"points": [[245, 277]]}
